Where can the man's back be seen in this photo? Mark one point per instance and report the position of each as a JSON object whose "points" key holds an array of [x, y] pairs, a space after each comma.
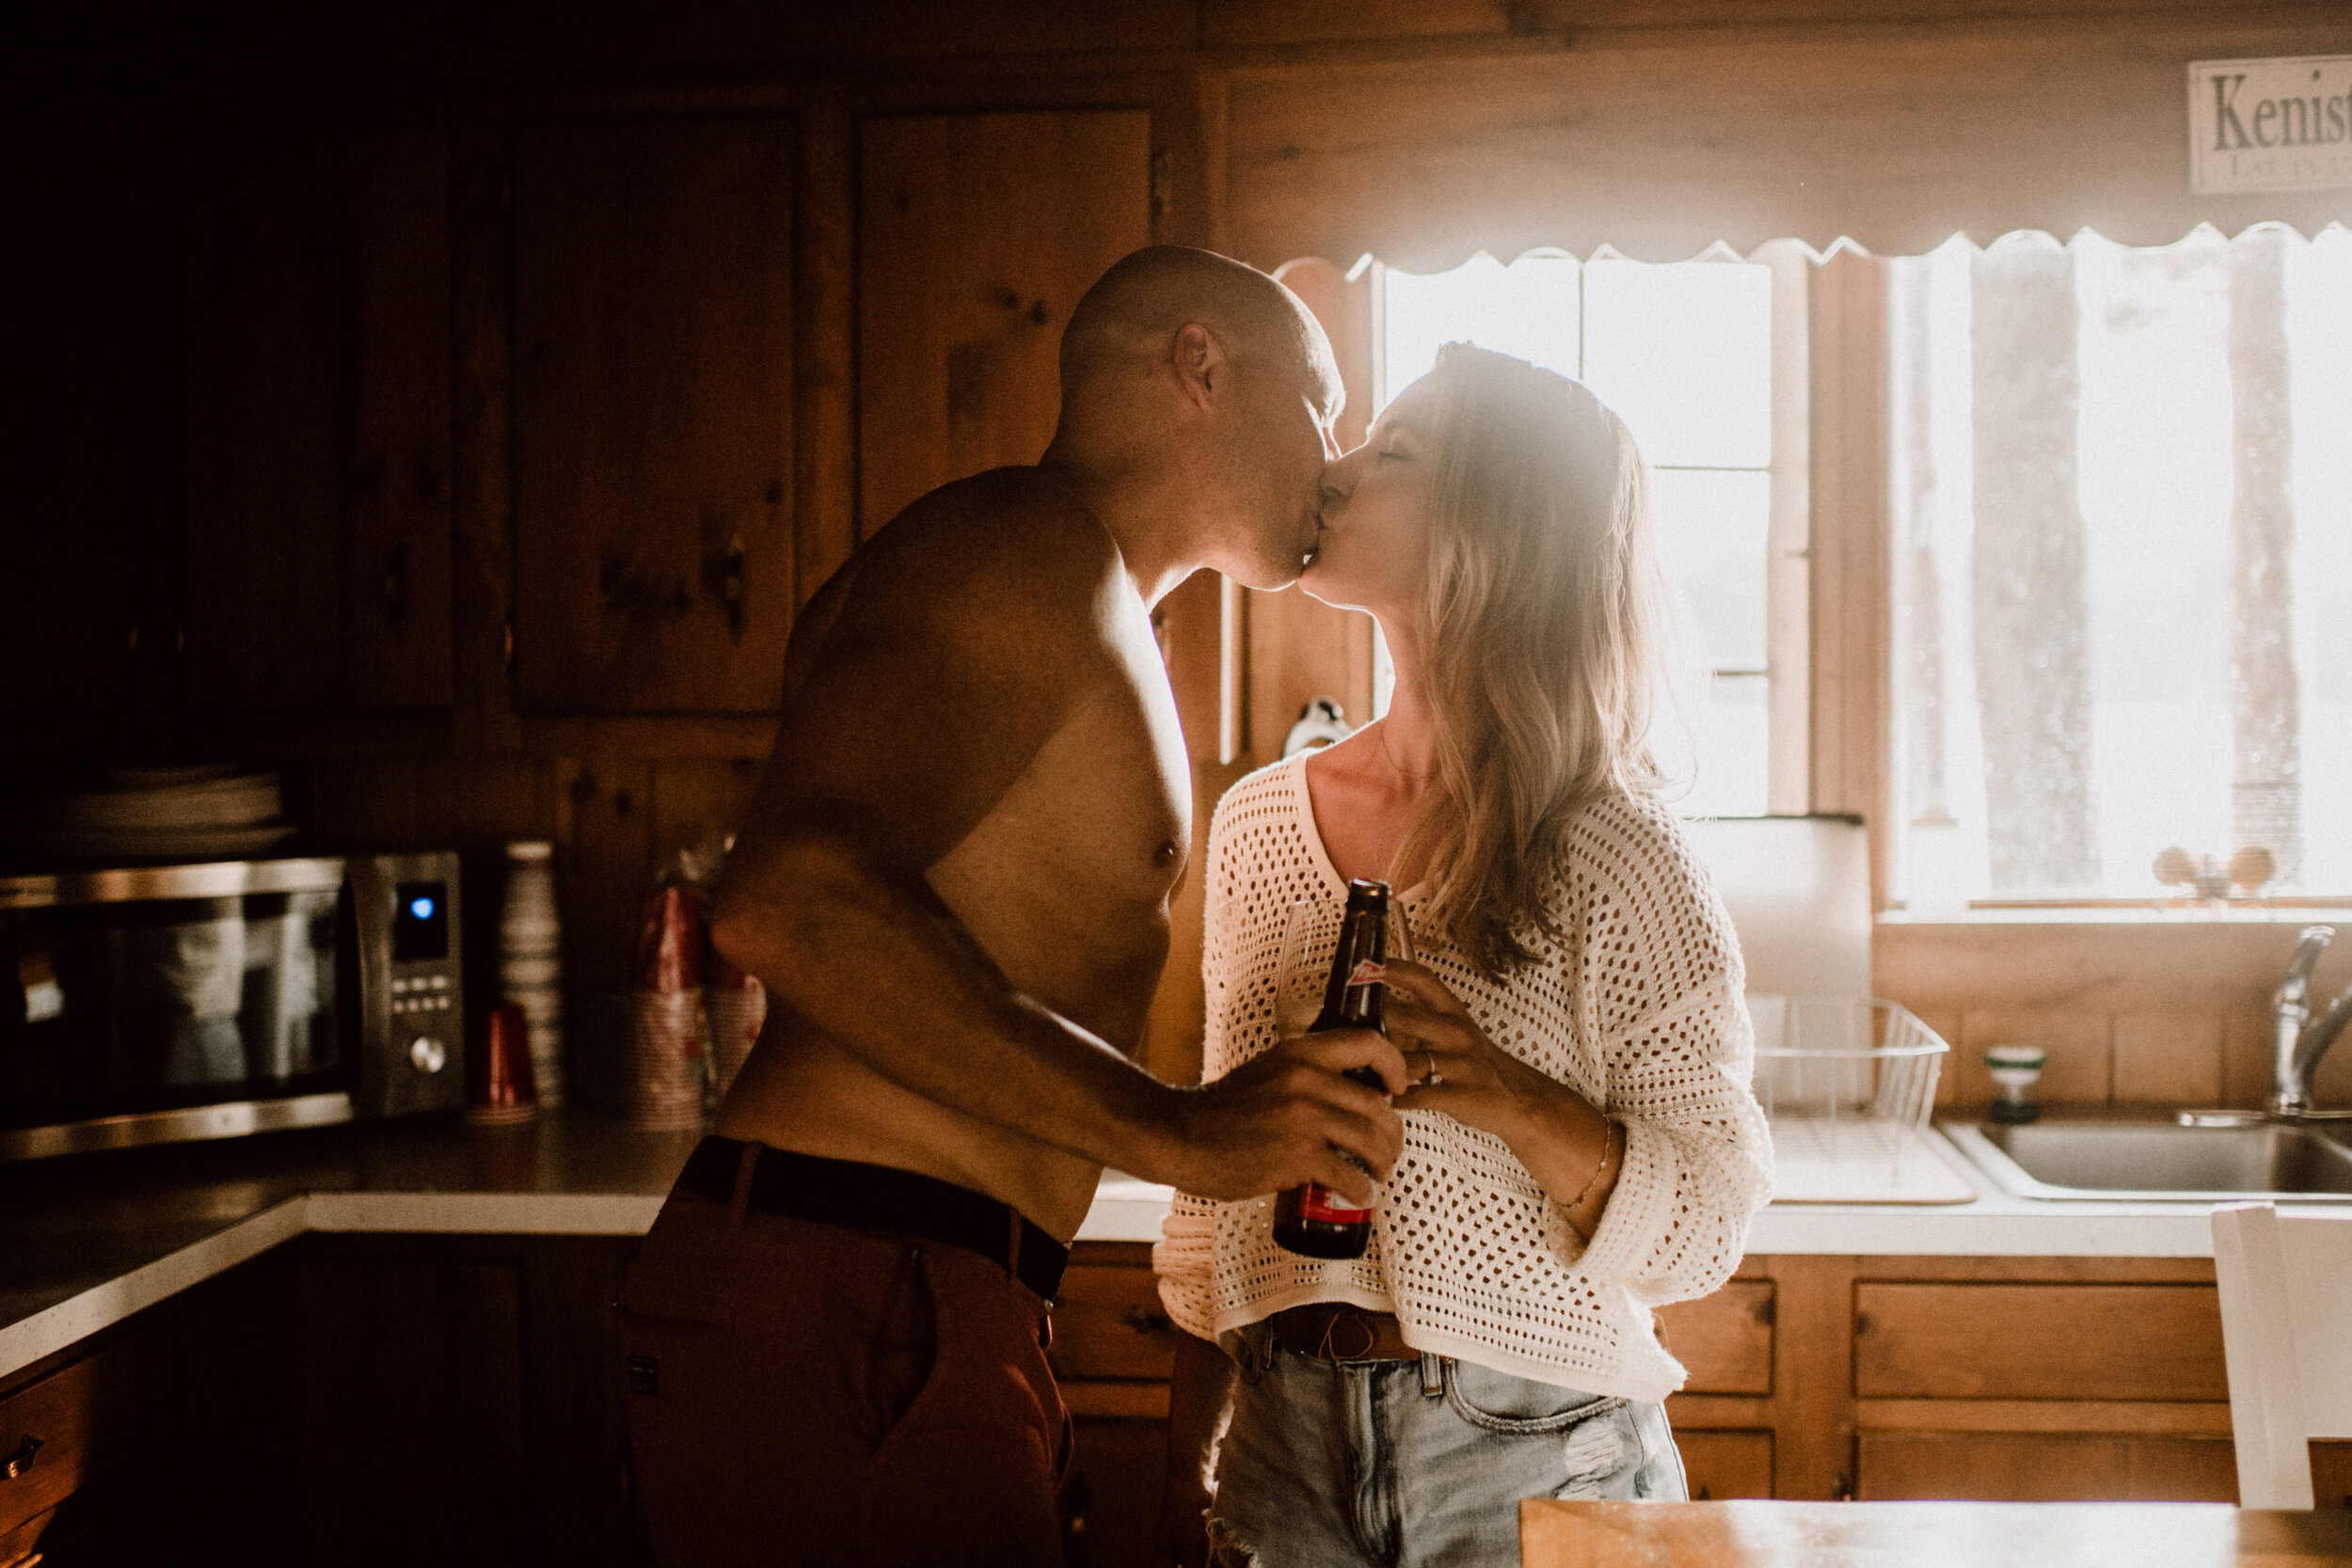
{"points": [[988, 651]]}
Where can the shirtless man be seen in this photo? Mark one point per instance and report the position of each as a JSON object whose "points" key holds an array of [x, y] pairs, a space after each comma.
{"points": [[954, 883]]}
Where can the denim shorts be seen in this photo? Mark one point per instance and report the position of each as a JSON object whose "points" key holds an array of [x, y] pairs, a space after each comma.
{"points": [[1402, 1464]]}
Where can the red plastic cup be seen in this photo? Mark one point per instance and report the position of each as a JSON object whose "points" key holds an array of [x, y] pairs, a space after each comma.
{"points": [[498, 1086]]}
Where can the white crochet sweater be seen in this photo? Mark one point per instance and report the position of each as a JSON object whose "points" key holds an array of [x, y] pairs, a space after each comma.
{"points": [[1640, 1012]]}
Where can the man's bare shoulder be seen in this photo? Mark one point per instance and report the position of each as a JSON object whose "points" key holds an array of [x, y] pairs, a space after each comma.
{"points": [[1006, 552]]}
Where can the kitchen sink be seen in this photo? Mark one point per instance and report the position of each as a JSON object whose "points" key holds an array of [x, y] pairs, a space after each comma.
{"points": [[2154, 1161]]}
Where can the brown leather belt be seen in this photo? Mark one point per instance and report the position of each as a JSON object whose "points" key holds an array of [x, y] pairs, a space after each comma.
{"points": [[1333, 1331]]}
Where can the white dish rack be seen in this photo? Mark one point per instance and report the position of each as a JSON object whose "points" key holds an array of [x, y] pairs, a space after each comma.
{"points": [[1847, 1085]]}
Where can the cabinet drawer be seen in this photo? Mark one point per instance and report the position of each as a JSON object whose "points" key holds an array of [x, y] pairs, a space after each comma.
{"points": [[1721, 1465], [2039, 1341], [1109, 1322], [1725, 1339], [64, 1429]]}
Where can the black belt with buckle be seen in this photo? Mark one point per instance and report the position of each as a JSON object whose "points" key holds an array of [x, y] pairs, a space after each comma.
{"points": [[859, 1196]]}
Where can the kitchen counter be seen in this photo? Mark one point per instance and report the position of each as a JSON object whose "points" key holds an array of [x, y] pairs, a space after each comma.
{"points": [[85, 1241]]}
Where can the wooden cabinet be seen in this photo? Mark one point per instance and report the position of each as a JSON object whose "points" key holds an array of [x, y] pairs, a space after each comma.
{"points": [[976, 235], [365, 1399], [318, 434], [653, 429], [65, 1431]]}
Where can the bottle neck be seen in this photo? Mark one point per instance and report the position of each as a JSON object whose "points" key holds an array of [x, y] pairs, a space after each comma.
{"points": [[1350, 999]]}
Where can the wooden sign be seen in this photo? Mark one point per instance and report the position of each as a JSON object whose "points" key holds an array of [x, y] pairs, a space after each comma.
{"points": [[2270, 125]]}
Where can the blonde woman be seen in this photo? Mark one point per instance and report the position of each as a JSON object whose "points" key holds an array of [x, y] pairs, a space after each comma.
{"points": [[1581, 1144]]}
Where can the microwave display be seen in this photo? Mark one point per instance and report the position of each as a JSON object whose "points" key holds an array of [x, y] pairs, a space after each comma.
{"points": [[420, 921]]}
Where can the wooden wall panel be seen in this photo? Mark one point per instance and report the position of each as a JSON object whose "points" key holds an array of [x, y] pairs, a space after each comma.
{"points": [[1263, 22], [653, 426], [2169, 1013], [396, 592], [87, 604], [976, 235], [1659, 141], [264, 285]]}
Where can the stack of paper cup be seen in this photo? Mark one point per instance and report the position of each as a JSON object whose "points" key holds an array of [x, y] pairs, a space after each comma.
{"points": [[739, 1006], [531, 961], [670, 1064]]}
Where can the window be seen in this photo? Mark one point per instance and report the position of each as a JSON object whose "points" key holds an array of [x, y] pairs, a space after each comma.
{"points": [[2122, 562], [1683, 353]]}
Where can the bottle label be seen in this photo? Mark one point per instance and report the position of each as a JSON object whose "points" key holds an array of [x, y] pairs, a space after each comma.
{"points": [[1318, 1202], [1366, 973]]}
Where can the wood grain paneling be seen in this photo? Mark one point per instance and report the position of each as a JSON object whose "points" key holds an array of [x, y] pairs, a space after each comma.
{"points": [[396, 588], [264, 291], [2080, 1048], [1720, 1465], [653, 414], [2039, 1341], [83, 1419], [1109, 1322], [976, 235], [1659, 142], [1846, 435], [2168, 1057], [1812, 1384], [1111, 1502], [411, 1365], [1725, 1339], [2044, 1467]]}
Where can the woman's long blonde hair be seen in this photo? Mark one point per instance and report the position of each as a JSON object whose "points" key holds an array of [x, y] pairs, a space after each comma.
{"points": [[1539, 628]]}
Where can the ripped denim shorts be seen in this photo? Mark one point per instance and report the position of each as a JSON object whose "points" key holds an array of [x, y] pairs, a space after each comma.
{"points": [[1400, 1464]]}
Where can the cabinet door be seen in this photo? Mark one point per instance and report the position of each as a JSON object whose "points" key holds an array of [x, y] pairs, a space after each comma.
{"points": [[653, 396], [976, 235], [318, 423]]}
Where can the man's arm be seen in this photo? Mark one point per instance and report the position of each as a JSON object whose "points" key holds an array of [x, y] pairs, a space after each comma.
{"points": [[960, 650]]}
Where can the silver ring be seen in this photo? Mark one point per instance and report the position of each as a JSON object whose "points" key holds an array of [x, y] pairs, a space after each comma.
{"points": [[1430, 1057]]}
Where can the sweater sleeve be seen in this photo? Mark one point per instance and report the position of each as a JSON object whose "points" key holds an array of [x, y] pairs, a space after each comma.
{"points": [[1662, 992]]}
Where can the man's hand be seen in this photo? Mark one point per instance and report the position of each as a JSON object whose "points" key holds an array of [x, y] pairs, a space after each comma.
{"points": [[1289, 1117]]}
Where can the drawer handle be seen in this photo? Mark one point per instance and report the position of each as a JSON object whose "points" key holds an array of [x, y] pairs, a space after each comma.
{"points": [[21, 1461], [1144, 1322]]}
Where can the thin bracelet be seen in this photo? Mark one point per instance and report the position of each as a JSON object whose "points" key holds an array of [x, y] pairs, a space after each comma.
{"points": [[1613, 1133]]}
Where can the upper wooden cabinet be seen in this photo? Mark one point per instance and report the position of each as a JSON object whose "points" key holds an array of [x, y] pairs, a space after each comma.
{"points": [[976, 235], [653, 415], [317, 397]]}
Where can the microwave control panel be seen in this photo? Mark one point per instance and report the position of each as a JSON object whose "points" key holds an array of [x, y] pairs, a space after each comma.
{"points": [[412, 1005]]}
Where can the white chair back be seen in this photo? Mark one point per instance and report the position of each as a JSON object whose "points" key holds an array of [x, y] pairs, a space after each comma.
{"points": [[2286, 1335]]}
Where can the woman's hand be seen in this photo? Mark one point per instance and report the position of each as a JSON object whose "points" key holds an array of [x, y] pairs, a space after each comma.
{"points": [[1565, 1141], [1455, 1068]]}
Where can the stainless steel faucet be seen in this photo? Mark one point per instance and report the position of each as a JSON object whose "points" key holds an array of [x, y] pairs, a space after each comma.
{"points": [[2300, 1040]]}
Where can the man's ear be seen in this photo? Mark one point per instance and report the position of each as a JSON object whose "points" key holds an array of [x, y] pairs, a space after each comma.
{"points": [[1200, 363]]}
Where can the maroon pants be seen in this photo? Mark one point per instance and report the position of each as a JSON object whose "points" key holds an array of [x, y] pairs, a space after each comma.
{"points": [[802, 1393]]}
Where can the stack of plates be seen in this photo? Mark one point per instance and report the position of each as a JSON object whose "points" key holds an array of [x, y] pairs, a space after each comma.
{"points": [[202, 812]]}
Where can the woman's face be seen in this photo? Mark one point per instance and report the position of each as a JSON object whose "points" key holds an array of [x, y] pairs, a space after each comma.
{"points": [[1373, 553]]}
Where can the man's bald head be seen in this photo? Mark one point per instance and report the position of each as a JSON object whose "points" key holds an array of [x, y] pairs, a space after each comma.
{"points": [[1135, 311], [1201, 393]]}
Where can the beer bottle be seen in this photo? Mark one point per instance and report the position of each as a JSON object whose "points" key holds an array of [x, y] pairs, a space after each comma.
{"points": [[1312, 1219]]}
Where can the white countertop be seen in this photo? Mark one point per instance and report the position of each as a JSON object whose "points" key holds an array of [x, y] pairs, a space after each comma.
{"points": [[85, 1243]]}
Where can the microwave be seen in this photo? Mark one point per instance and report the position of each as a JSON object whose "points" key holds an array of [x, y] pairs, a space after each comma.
{"points": [[180, 1001]]}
